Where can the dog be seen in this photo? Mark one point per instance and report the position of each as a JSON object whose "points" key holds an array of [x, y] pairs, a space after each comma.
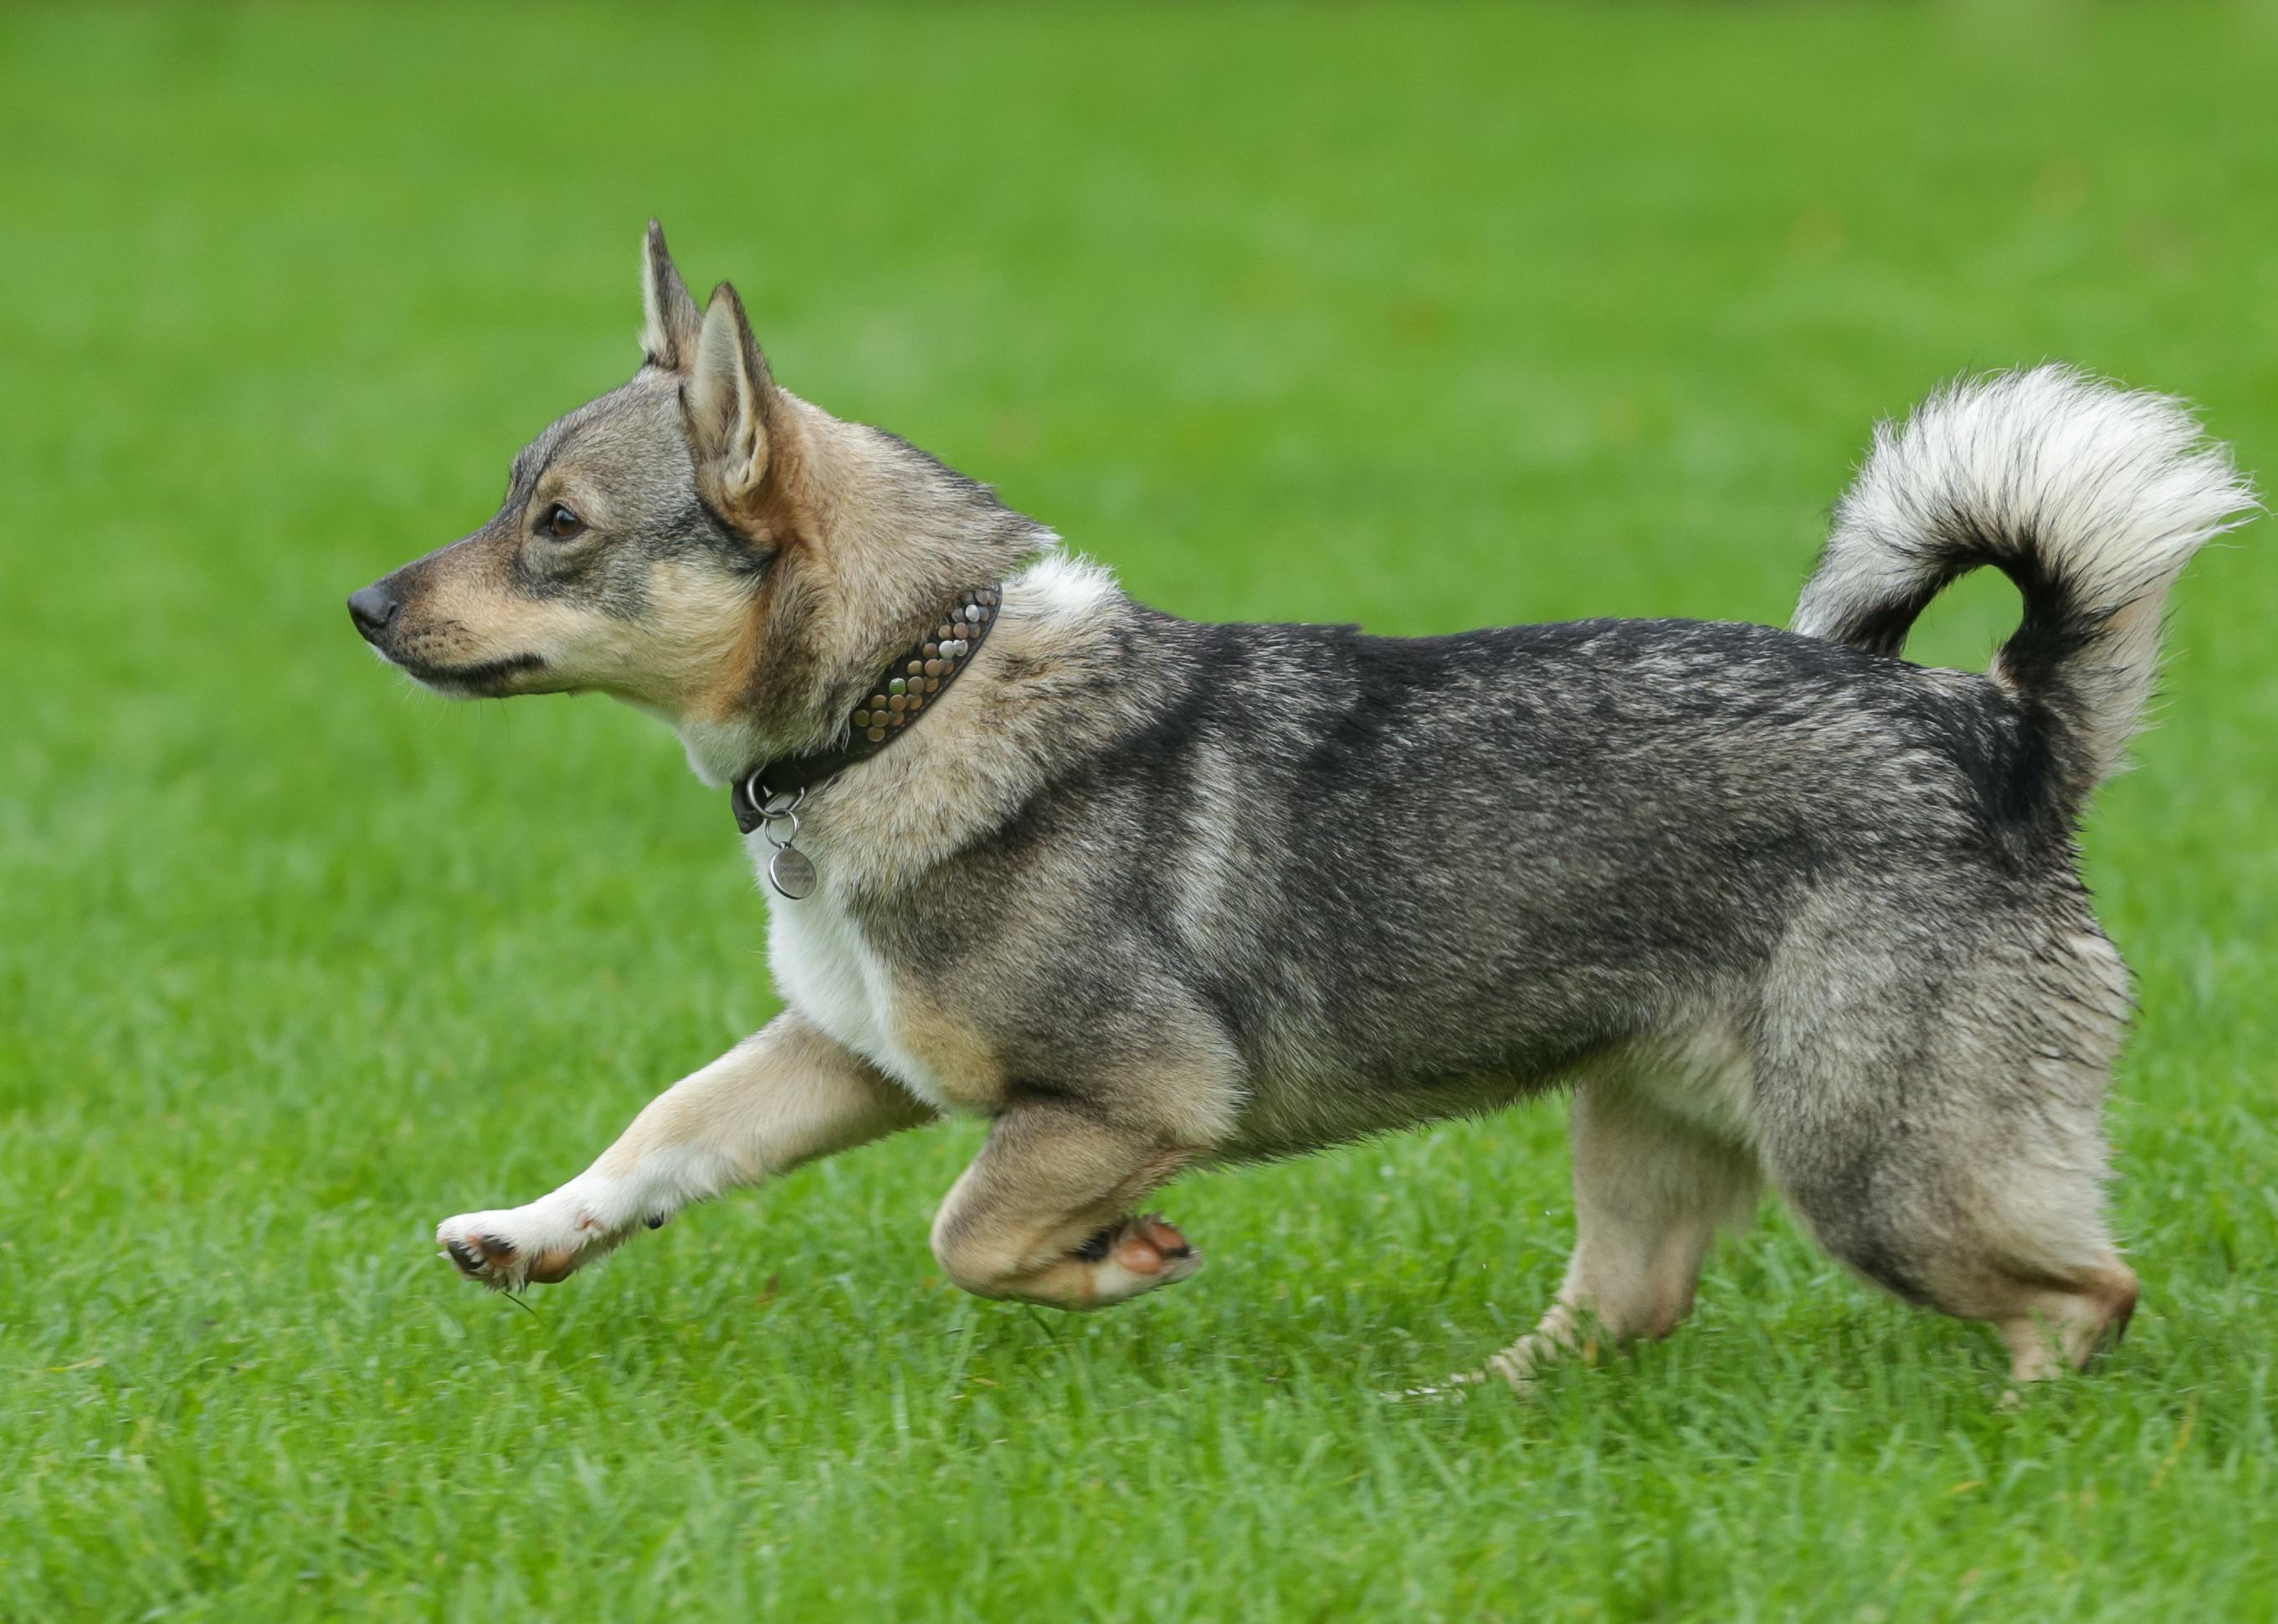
{"points": [[1147, 895]]}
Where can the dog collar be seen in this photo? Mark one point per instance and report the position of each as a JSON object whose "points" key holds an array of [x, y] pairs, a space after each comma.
{"points": [[768, 797]]}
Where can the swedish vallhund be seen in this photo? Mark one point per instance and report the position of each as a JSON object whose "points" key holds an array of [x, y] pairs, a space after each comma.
{"points": [[1772, 904]]}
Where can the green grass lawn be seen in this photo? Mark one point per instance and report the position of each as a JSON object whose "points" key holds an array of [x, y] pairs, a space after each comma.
{"points": [[1428, 319]]}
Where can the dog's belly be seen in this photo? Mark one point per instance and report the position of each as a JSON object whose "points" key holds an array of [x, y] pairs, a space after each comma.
{"points": [[1702, 1076], [1697, 1073]]}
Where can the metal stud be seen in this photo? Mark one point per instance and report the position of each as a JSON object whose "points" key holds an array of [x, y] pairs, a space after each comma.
{"points": [[936, 661]]}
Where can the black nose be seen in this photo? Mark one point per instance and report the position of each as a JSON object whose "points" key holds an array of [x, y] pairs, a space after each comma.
{"points": [[371, 609]]}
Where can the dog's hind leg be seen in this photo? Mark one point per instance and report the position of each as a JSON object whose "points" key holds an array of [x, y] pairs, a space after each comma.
{"points": [[1651, 1187], [1984, 1220], [782, 1097], [1981, 1228], [1045, 1212], [1944, 1137]]}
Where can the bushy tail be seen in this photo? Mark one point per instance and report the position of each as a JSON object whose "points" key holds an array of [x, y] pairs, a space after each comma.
{"points": [[2091, 498]]}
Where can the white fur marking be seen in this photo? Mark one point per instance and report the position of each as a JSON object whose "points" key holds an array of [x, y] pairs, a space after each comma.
{"points": [[1063, 583], [826, 970]]}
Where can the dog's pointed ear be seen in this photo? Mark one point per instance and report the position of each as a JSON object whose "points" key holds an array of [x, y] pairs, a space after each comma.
{"points": [[737, 418], [671, 318]]}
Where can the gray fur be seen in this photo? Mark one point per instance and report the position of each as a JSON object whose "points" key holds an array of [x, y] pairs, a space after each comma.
{"points": [[1149, 893]]}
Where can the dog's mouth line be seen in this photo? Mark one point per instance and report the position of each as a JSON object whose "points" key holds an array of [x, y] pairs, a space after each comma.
{"points": [[481, 675]]}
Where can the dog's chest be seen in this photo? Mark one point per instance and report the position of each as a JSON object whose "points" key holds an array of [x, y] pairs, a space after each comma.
{"points": [[827, 971]]}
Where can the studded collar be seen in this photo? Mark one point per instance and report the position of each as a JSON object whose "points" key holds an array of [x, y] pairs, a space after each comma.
{"points": [[771, 792]]}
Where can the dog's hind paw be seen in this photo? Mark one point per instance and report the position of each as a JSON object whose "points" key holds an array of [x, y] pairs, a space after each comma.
{"points": [[1141, 1253], [1151, 1245]]}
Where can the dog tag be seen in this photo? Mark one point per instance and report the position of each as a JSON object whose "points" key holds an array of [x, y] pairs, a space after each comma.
{"points": [[792, 873]]}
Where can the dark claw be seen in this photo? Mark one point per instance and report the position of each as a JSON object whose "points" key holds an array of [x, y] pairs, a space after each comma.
{"points": [[463, 1258], [1178, 1252], [502, 1251], [655, 1221]]}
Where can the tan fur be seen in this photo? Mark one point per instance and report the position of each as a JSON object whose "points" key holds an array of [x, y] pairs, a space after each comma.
{"points": [[778, 1099], [1048, 1180], [964, 1067], [785, 1097], [2049, 1331], [1035, 672], [1651, 1189]]}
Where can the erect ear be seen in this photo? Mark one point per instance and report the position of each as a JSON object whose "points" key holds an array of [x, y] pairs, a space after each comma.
{"points": [[737, 418], [668, 331]]}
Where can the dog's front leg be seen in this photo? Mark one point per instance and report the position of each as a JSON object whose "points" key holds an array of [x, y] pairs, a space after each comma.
{"points": [[782, 1097], [1044, 1213]]}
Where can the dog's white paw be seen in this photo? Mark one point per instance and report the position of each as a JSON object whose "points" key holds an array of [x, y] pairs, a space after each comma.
{"points": [[541, 1244]]}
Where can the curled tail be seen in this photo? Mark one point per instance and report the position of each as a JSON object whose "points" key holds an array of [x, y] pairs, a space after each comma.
{"points": [[2089, 497]]}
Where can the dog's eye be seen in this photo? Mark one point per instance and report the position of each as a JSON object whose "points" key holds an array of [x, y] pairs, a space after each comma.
{"points": [[561, 524]]}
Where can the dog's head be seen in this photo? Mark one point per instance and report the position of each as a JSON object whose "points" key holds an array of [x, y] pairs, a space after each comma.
{"points": [[699, 542]]}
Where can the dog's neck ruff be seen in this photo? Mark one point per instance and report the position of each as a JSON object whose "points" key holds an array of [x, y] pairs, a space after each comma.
{"points": [[769, 795]]}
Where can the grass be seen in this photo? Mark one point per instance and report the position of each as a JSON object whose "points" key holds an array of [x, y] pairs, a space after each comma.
{"points": [[1427, 318]]}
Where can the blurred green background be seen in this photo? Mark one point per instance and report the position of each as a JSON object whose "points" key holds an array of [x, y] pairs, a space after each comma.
{"points": [[1425, 317]]}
